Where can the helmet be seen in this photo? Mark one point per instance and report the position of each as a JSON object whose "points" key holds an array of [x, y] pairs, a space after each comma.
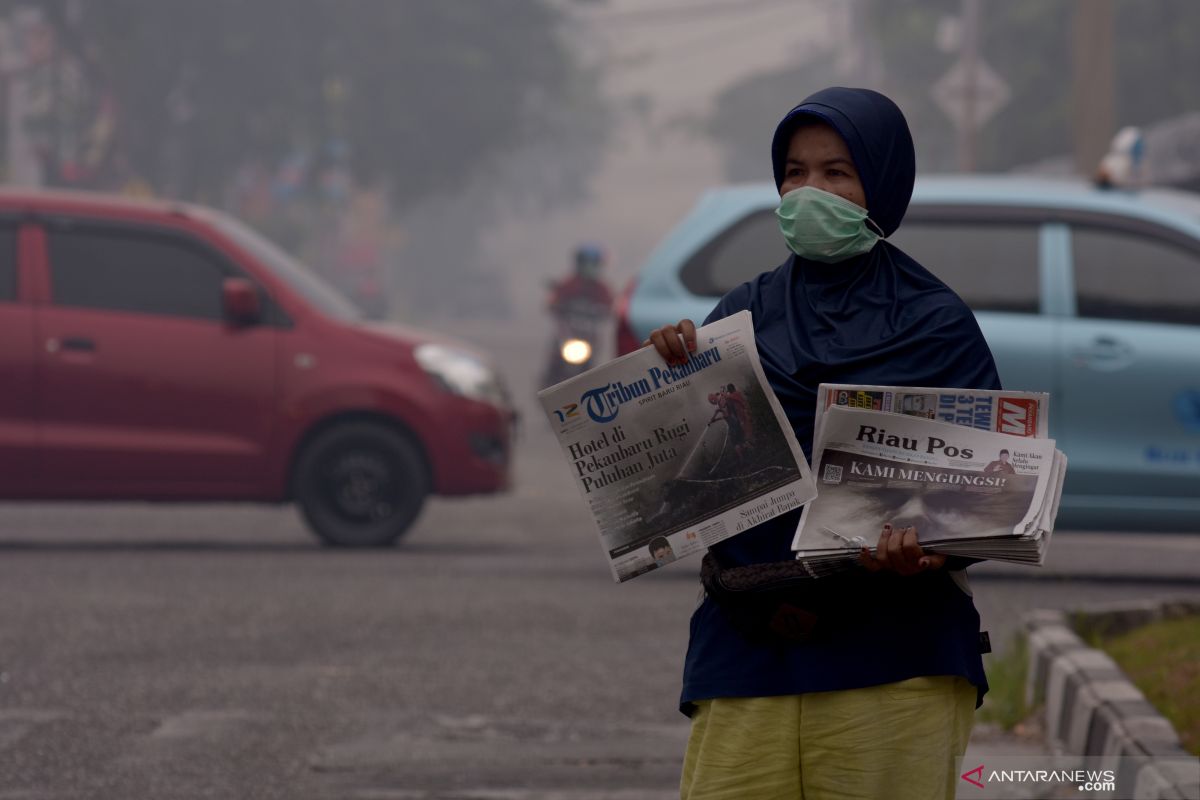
{"points": [[589, 259]]}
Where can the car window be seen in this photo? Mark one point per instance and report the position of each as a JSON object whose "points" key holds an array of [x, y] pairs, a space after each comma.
{"points": [[134, 272], [274, 258], [1120, 275], [749, 247], [8, 264], [992, 266]]}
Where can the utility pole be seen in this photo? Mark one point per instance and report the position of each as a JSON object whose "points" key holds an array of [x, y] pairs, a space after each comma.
{"points": [[968, 131], [862, 62], [1093, 82]]}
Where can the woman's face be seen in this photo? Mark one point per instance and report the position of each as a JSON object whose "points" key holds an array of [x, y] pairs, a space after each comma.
{"points": [[818, 157]]}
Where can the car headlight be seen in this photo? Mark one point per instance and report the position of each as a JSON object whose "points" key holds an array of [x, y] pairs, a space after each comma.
{"points": [[461, 373]]}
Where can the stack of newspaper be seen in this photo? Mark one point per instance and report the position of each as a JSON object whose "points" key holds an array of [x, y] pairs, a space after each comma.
{"points": [[972, 470]]}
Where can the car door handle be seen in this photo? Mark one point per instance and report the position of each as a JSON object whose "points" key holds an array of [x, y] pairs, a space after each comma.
{"points": [[76, 344], [1105, 353]]}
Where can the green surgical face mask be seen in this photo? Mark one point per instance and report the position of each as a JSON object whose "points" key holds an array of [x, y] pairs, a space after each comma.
{"points": [[823, 226]]}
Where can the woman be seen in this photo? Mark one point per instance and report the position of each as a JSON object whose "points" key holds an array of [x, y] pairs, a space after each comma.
{"points": [[880, 703]]}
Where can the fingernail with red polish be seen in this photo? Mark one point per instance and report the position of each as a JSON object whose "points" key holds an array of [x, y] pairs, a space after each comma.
{"points": [[924, 562]]}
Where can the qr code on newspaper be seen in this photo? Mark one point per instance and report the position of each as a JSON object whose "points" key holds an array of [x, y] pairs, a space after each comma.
{"points": [[833, 474]]}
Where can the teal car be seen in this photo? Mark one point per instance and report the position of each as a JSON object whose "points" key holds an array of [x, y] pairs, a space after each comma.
{"points": [[1092, 295]]}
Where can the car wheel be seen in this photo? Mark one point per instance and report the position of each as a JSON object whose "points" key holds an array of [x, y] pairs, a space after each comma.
{"points": [[361, 485]]}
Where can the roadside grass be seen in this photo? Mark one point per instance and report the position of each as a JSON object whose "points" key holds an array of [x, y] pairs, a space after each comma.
{"points": [[1006, 671], [1163, 660]]}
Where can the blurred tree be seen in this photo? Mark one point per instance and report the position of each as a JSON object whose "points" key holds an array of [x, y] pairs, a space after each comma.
{"points": [[746, 115], [415, 96], [1026, 42]]}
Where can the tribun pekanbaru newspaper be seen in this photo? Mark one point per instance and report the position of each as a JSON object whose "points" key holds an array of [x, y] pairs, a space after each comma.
{"points": [[968, 491], [672, 459]]}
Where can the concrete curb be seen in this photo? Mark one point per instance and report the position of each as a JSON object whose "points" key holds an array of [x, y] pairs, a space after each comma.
{"points": [[1092, 710]]}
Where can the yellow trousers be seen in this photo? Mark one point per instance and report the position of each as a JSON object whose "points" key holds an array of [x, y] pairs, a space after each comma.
{"points": [[891, 742]]}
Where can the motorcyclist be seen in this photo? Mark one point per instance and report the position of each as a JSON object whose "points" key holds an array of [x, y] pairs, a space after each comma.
{"points": [[580, 304], [584, 285]]}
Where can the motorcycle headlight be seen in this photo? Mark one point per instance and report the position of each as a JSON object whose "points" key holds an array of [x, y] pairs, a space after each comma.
{"points": [[461, 373], [576, 351]]}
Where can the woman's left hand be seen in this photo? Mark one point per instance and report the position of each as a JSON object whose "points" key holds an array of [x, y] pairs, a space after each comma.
{"points": [[899, 552]]}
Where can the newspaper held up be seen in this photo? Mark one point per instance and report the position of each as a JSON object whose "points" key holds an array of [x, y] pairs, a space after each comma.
{"points": [[967, 491], [672, 459]]}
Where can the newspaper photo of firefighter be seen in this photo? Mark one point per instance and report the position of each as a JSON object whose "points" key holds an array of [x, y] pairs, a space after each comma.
{"points": [[734, 455]]}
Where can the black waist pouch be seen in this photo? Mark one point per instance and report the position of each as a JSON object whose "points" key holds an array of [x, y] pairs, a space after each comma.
{"points": [[780, 601]]}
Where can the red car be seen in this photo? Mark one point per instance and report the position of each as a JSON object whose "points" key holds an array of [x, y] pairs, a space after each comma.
{"points": [[162, 351]]}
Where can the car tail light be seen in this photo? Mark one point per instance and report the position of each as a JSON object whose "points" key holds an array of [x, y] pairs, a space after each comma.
{"points": [[627, 340]]}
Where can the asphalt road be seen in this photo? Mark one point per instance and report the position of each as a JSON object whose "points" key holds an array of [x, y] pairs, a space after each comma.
{"points": [[219, 652]]}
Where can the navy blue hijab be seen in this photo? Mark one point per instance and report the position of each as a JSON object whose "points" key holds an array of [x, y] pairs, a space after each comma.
{"points": [[876, 318], [876, 133]]}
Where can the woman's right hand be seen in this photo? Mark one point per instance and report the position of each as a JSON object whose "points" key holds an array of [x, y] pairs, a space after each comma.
{"points": [[899, 550], [674, 342]]}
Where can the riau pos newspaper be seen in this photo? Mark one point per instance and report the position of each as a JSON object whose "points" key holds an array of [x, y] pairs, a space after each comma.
{"points": [[971, 470], [672, 459]]}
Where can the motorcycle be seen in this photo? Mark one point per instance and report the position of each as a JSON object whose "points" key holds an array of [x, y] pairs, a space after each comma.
{"points": [[578, 325]]}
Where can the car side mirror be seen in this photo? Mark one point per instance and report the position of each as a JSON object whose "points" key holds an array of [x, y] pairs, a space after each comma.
{"points": [[241, 302]]}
